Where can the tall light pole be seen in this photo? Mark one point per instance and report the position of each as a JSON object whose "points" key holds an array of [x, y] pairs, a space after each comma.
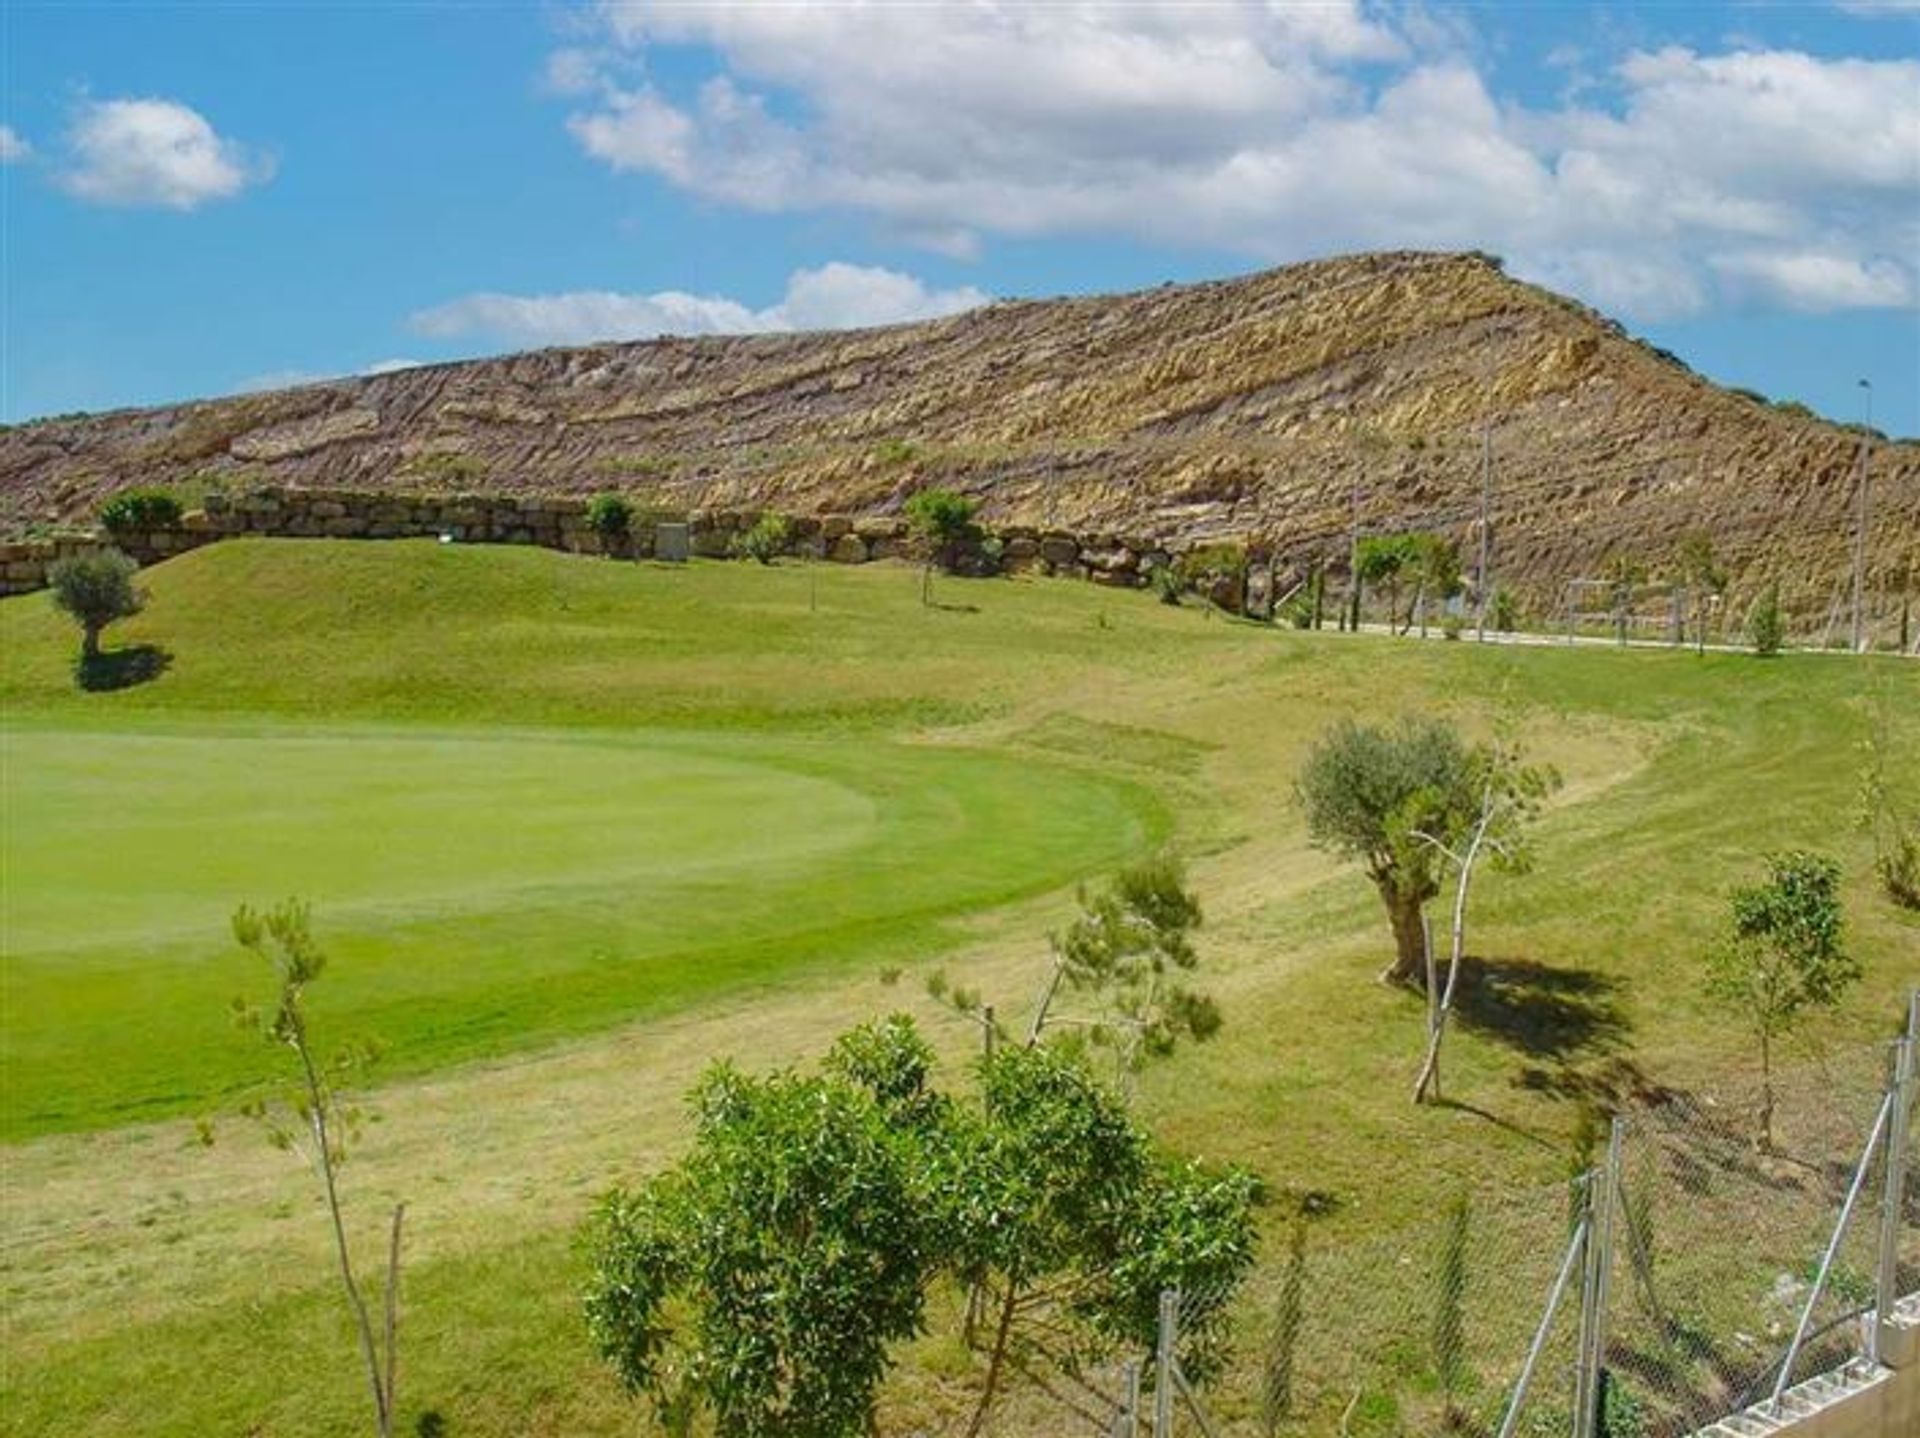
{"points": [[1860, 525]]}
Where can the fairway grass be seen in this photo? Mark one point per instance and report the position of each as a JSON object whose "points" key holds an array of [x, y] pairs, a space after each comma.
{"points": [[574, 828]]}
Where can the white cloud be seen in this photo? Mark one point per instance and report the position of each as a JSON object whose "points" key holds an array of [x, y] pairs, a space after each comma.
{"points": [[1277, 131], [1813, 281], [154, 153], [834, 296], [294, 378], [13, 145]]}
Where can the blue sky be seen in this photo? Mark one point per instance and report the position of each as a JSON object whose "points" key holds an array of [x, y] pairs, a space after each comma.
{"points": [[203, 197]]}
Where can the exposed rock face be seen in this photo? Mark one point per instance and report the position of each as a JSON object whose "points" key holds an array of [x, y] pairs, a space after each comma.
{"points": [[1255, 408]]}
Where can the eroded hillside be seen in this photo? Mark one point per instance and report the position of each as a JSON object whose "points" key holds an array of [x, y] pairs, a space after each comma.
{"points": [[1256, 407]]}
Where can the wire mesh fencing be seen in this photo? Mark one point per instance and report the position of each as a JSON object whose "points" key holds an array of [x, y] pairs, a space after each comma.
{"points": [[1719, 1249]]}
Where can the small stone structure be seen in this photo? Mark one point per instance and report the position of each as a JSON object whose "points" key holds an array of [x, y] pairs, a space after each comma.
{"points": [[1122, 561]]}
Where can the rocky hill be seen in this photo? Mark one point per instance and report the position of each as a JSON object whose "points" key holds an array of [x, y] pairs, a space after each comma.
{"points": [[1264, 408]]}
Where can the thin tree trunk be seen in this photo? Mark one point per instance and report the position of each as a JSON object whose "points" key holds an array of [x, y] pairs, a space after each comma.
{"points": [[1429, 1081], [1046, 1003], [90, 641], [994, 1362], [1766, 1092], [393, 1308], [382, 1417]]}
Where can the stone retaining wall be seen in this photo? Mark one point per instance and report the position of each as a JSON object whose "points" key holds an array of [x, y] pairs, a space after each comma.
{"points": [[555, 523]]}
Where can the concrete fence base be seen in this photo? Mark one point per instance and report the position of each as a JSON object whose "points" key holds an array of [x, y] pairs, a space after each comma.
{"points": [[1861, 1400]]}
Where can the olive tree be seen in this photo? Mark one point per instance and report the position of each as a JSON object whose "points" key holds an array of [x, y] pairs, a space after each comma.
{"points": [[95, 589], [1783, 954], [942, 525], [314, 1119], [1368, 793]]}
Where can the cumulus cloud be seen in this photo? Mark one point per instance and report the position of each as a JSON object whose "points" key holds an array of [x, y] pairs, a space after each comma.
{"points": [[154, 153], [1674, 178], [834, 296], [13, 145]]}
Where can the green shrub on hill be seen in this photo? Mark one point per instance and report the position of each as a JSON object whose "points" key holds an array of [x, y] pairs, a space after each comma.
{"points": [[610, 516], [133, 510]]}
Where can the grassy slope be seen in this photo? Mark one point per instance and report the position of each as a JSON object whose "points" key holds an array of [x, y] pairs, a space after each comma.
{"points": [[1681, 770]]}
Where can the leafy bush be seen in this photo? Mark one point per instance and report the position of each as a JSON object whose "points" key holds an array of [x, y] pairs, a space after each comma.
{"points": [[767, 540], [1899, 868], [134, 510], [895, 451], [1451, 625], [766, 1278], [610, 516], [1166, 582]]}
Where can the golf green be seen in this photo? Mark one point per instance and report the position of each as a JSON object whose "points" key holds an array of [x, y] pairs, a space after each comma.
{"points": [[479, 891]]}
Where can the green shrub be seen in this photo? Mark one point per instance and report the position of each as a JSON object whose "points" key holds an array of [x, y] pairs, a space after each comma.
{"points": [[610, 516], [95, 589], [767, 540], [1503, 610], [1451, 625], [1166, 582], [1765, 628], [1899, 868], [896, 451], [134, 510]]}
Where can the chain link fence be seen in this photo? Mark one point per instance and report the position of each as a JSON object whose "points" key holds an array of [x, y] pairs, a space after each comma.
{"points": [[1697, 1267]]}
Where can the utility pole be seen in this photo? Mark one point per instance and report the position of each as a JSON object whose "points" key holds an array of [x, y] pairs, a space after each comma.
{"points": [[1860, 526], [1486, 520]]}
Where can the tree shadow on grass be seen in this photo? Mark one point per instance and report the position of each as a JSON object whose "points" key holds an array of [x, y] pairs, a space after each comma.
{"points": [[122, 668], [1568, 1023], [1543, 1012]]}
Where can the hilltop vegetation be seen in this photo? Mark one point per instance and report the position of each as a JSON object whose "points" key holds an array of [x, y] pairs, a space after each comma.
{"points": [[579, 826]]}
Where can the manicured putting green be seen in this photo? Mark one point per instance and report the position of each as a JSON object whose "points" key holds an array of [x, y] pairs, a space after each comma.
{"points": [[478, 891]]}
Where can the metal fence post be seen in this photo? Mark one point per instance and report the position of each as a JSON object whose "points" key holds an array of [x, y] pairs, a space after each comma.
{"points": [[1163, 1363], [1900, 1096], [1130, 1417], [1602, 1196]]}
